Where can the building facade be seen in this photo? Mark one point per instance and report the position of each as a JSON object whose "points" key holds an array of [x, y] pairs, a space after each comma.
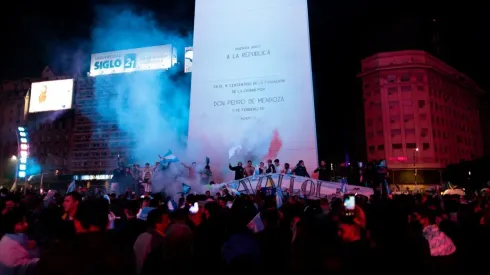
{"points": [[50, 141], [50, 136], [97, 141], [12, 114], [49, 132], [420, 113]]}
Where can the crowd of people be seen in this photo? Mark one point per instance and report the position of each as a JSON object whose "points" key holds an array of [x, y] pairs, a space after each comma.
{"points": [[276, 167], [139, 179], [225, 233]]}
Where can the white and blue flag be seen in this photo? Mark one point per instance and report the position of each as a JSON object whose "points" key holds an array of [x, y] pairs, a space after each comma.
{"points": [[171, 205], [256, 224], [169, 157], [72, 187], [233, 188], [186, 188], [278, 197]]}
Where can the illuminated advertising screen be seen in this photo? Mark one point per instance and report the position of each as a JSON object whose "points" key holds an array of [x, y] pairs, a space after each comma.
{"points": [[51, 95], [126, 61], [252, 92], [189, 56]]}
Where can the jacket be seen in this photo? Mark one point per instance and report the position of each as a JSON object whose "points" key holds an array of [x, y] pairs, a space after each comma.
{"points": [[14, 257]]}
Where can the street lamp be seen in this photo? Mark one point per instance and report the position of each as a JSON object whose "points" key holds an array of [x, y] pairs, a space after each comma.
{"points": [[414, 167], [14, 159]]}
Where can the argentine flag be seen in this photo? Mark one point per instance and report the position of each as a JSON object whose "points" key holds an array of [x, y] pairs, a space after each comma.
{"points": [[233, 188], [256, 224], [185, 189], [171, 205], [278, 197], [72, 187], [169, 157]]}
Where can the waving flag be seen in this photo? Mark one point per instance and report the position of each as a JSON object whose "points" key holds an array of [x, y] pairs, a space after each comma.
{"points": [[169, 157], [234, 150], [171, 205], [233, 188], [233, 191], [256, 224], [107, 198], [278, 198], [185, 189], [72, 187]]}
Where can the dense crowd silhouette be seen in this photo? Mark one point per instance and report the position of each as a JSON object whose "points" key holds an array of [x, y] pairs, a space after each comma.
{"points": [[222, 233]]}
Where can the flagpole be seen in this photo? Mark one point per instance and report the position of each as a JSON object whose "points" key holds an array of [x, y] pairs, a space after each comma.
{"points": [[41, 183]]}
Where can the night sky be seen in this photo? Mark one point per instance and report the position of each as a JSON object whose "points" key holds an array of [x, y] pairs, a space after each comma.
{"points": [[39, 33]]}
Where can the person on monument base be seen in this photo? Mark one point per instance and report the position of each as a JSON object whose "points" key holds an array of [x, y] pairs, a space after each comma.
{"points": [[323, 171], [287, 169], [238, 170], [249, 169], [271, 168], [278, 166], [300, 170]]}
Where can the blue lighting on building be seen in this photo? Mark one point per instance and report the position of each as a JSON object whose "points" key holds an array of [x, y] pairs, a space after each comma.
{"points": [[23, 152]]}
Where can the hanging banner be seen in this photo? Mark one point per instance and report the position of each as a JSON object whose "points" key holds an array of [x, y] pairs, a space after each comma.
{"points": [[309, 187]]}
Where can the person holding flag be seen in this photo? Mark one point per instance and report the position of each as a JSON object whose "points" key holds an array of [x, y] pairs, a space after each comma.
{"points": [[168, 158], [192, 170]]}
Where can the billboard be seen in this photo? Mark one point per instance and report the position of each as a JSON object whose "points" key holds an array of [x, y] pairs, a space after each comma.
{"points": [[189, 56], [141, 59], [252, 91], [51, 95]]}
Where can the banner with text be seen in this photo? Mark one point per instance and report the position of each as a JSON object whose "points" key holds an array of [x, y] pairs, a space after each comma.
{"points": [[309, 187], [141, 59], [252, 90]]}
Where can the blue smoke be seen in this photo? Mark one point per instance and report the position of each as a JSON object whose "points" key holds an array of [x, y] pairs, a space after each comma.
{"points": [[33, 167], [152, 107]]}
